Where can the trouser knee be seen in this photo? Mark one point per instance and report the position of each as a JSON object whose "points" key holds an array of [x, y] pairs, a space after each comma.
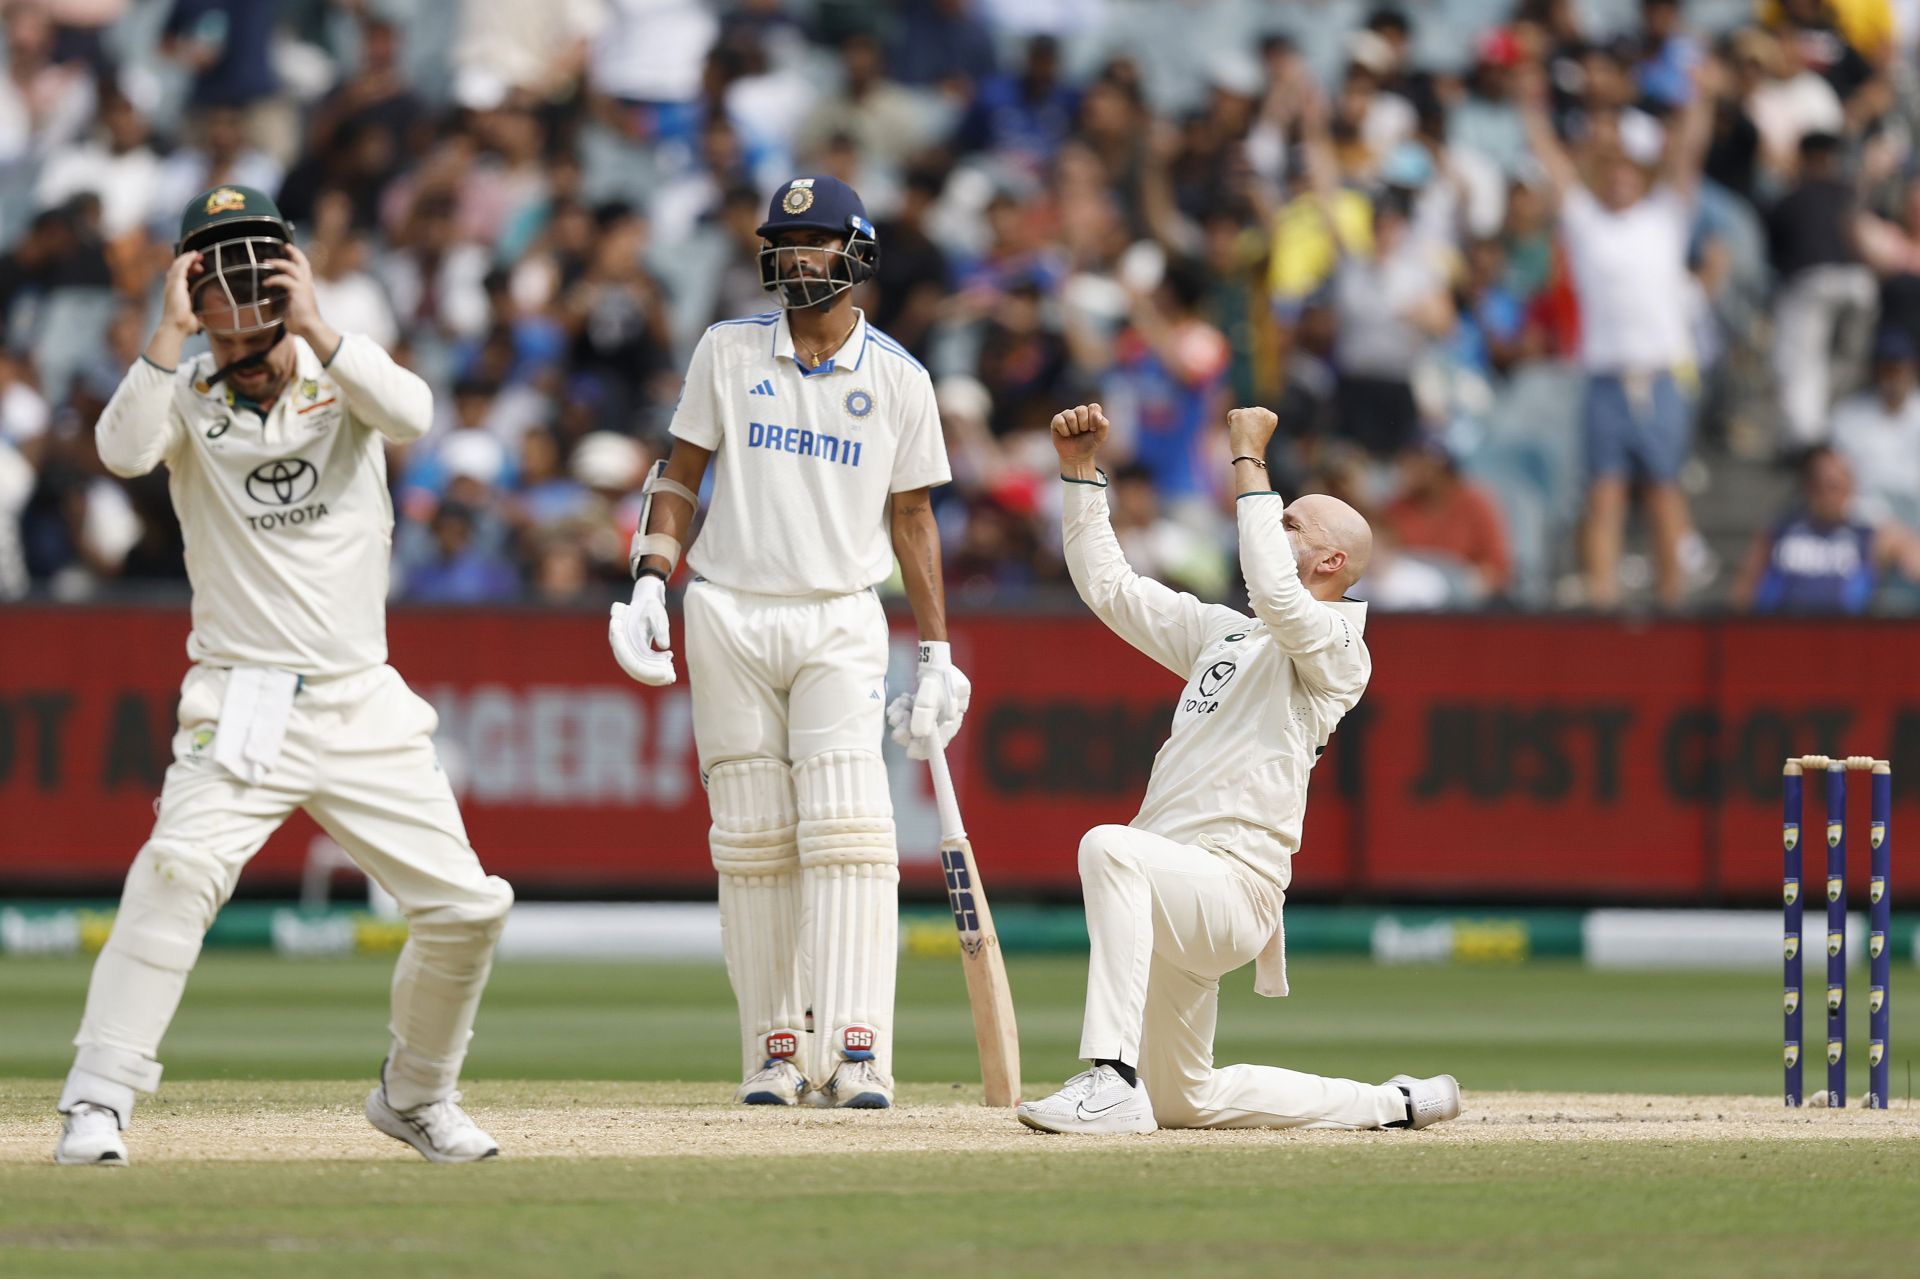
{"points": [[171, 896], [1103, 850], [467, 927]]}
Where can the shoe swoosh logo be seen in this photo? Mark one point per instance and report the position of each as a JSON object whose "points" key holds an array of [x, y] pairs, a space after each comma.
{"points": [[1085, 1113]]}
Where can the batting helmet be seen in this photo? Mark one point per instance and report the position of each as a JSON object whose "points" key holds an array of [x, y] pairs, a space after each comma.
{"points": [[241, 237], [817, 204]]}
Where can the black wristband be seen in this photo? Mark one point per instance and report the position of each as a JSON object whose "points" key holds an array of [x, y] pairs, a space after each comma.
{"points": [[648, 570]]}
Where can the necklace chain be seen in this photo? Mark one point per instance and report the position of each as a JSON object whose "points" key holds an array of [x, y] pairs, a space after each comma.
{"points": [[814, 353]]}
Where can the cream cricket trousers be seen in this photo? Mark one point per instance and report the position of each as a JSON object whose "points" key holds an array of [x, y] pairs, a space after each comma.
{"points": [[789, 698], [1167, 921], [358, 756]]}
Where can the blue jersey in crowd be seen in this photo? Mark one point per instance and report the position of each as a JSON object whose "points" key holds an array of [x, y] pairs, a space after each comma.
{"points": [[1814, 567]]}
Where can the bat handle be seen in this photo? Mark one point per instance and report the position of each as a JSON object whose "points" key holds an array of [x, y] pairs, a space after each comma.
{"points": [[951, 827]]}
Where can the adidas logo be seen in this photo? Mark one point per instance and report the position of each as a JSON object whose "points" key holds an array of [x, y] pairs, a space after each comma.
{"points": [[765, 388]]}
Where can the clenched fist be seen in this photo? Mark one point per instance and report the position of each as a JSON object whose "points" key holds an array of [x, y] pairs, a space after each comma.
{"points": [[1077, 435], [1248, 431]]}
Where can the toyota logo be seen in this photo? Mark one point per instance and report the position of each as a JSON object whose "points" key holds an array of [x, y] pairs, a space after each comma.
{"points": [[282, 482], [1215, 678]]}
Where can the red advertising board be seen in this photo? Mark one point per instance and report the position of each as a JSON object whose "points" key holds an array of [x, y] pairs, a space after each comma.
{"points": [[1529, 759]]}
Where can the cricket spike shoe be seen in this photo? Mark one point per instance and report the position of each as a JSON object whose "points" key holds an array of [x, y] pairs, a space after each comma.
{"points": [[91, 1136], [440, 1130], [1097, 1101], [778, 1082], [1429, 1101]]}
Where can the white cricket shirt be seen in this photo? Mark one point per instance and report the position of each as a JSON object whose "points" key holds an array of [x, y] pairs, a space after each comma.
{"points": [[1263, 693], [805, 459], [287, 521]]}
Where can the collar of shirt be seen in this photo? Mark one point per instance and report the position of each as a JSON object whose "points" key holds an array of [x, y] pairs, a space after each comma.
{"points": [[303, 385], [852, 352], [1355, 611]]}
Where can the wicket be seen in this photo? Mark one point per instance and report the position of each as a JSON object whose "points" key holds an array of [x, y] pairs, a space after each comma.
{"points": [[1880, 907]]}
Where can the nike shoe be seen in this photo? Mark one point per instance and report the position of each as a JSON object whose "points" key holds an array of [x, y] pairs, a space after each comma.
{"points": [[91, 1135], [1096, 1100], [1429, 1101], [440, 1130]]}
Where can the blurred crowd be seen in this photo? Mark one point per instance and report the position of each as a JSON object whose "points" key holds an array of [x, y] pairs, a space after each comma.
{"points": [[1558, 293]]}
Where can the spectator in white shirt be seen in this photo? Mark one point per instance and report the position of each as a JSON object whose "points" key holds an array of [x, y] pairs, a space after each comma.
{"points": [[118, 166], [1878, 432], [1626, 239]]}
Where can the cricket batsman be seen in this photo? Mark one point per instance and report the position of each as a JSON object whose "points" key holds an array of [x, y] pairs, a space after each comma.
{"points": [[1192, 888], [274, 441], [824, 440]]}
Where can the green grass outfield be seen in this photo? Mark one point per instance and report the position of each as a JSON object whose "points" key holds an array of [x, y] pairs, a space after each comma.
{"points": [[1542, 1026], [1552, 1203]]}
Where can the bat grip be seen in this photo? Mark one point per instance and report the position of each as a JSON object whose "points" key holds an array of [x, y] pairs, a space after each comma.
{"points": [[951, 827]]}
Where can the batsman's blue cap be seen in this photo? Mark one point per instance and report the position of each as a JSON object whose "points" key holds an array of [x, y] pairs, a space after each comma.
{"points": [[818, 203]]}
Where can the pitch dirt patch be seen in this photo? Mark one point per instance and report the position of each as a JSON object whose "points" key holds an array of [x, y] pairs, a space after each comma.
{"points": [[276, 1121]]}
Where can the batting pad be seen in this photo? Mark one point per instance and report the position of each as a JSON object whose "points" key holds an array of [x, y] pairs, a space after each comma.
{"points": [[752, 842], [850, 883]]}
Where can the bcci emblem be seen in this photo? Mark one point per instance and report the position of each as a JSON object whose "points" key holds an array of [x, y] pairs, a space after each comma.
{"points": [[225, 200], [799, 196], [859, 403]]}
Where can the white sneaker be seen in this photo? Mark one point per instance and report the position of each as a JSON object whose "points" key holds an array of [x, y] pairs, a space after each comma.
{"points": [[440, 1130], [778, 1083], [91, 1135], [1096, 1100], [1430, 1101], [854, 1085]]}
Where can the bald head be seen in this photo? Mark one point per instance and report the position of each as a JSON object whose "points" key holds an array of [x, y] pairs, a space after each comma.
{"points": [[1331, 542]]}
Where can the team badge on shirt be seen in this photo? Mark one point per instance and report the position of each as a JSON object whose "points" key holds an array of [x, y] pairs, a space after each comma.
{"points": [[799, 196], [859, 402]]}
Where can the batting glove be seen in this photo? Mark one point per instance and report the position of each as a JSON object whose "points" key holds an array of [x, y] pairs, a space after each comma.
{"points": [[927, 719], [638, 633]]}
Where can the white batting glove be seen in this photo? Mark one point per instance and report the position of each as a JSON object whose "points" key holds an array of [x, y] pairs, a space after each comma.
{"points": [[927, 719], [638, 633]]}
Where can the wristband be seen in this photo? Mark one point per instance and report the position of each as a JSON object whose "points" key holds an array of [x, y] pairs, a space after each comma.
{"points": [[648, 570], [1248, 458]]}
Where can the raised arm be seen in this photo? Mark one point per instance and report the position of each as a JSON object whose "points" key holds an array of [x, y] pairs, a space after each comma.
{"points": [[1169, 626], [1562, 174], [1324, 645], [1692, 132], [394, 401], [139, 427]]}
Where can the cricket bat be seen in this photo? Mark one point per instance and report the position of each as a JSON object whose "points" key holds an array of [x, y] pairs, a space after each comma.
{"points": [[986, 969]]}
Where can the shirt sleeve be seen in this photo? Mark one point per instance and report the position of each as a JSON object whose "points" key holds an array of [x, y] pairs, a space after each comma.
{"points": [[141, 426], [920, 461], [696, 419], [1169, 626], [1325, 647], [395, 401]]}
